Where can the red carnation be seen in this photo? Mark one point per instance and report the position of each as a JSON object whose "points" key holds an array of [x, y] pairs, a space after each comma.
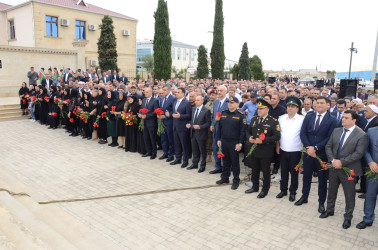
{"points": [[220, 155], [350, 178], [46, 98], [71, 120], [144, 111], [352, 172], [68, 100], [130, 118], [159, 111], [24, 101], [113, 108], [218, 114], [262, 136], [103, 114], [131, 123], [55, 114]]}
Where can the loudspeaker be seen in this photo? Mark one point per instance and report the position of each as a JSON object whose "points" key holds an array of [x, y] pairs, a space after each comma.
{"points": [[319, 83], [271, 80], [348, 87], [375, 85]]}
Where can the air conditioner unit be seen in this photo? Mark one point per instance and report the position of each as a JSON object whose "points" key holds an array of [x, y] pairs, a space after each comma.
{"points": [[93, 62], [64, 22], [126, 32], [91, 27]]}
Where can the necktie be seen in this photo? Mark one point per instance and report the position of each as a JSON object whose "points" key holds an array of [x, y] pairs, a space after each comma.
{"points": [[196, 116], [317, 123], [220, 105], [339, 117], [148, 99], [177, 104], [341, 143], [165, 98]]}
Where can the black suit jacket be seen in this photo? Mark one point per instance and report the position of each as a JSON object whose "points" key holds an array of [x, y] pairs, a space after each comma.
{"points": [[151, 120], [203, 120], [373, 123], [44, 83]]}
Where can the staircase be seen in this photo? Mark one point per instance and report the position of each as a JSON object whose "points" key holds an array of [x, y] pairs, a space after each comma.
{"points": [[9, 111]]}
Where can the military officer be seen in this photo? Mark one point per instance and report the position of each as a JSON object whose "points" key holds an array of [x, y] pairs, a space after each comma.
{"points": [[261, 157], [231, 134]]}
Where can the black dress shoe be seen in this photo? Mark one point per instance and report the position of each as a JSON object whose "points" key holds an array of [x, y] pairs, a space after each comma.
{"points": [[163, 157], [325, 214], [234, 186], [115, 145], [184, 164], [153, 157], [111, 144], [362, 196], [89, 138], [170, 159], [74, 135], [301, 201], [363, 225], [315, 174], [175, 162], [262, 194], [292, 198], [192, 167], [281, 194], [250, 191], [321, 208], [201, 169], [359, 191], [146, 155], [347, 224], [216, 171], [221, 181]]}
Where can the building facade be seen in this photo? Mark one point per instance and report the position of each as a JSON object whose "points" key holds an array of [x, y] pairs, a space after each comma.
{"points": [[57, 33], [183, 55]]}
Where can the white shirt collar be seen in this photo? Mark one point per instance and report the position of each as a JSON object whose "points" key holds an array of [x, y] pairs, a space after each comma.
{"points": [[351, 129]]}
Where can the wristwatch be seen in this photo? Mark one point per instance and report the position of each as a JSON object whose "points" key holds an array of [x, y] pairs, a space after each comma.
{"points": [[316, 148], [240, 144]]}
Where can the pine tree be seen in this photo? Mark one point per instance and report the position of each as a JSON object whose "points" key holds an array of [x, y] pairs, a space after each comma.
{"points": [[202, 68], [107, 46], [217, 49], [245, 69], [257, 72], [162, 42]]}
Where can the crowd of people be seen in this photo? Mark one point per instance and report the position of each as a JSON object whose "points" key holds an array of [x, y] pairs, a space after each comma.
{"points": [[294, 127]]}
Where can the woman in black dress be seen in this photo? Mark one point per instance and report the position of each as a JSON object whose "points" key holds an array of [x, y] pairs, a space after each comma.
{"points": [[102, 107], [120, 124], [44, 100], [64, 108], [134, 137], [87, 108], [72, 106], [37, 103], [23, 94], [111, 119], [54, 110]]}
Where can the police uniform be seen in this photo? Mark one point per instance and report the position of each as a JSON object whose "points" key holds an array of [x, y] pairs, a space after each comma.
{"points": [[232, 126], [263, 153]]}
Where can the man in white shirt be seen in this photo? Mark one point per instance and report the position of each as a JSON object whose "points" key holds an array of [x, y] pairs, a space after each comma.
{"points": [[307, 103], [290, 146]]}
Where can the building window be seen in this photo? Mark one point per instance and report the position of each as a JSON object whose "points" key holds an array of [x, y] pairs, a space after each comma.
{"points": [[173, 53], [192, 55], [178, 53], [142, 53], [51, 26], [12, 33], [184, 55], [80, 29]]}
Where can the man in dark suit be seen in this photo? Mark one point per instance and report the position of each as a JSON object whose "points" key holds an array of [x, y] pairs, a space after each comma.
{"points": [[67, 76], [182, 113], [316, 130], [124, 79], [219, 106], [114, 76], [338, 113], [371, 159], [199, 126], [167, 143], [345, 148], [150, 123], [46, 82]]}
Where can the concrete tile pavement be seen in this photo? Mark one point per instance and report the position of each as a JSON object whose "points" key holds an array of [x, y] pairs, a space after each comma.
{"points": [[208, 218]]}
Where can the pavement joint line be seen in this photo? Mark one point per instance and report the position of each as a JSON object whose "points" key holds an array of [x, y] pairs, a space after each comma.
{"points": [[13, 193], [130, 194]]}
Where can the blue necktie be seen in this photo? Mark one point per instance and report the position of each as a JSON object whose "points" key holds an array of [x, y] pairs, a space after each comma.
{"points": [[317, 124], [341, 143]]}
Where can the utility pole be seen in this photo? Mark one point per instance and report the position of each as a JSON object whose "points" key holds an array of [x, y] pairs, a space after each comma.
{"points": [[351, 53], [373, 72]]}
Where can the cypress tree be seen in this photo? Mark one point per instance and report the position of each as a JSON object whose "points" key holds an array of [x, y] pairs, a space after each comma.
{"points": [[257, 72], [107, 45], [217, 50], [162, 42], [245, 69], [202, 68]]}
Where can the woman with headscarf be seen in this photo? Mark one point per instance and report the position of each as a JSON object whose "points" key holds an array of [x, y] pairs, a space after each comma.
{"points": [[64, 108], [111, 119], [23, 94], [87, 108], [54, 111], [102, 107], [134, 137], [44, 100], [72, 108], [93, 113], [37, 102], [120, 124]]}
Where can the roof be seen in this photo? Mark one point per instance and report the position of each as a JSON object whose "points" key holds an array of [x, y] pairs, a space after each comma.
{"points": [[80, 5], [4, 6]]}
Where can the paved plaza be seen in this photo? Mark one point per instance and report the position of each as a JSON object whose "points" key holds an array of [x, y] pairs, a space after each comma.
{"points": [[138, 203]]}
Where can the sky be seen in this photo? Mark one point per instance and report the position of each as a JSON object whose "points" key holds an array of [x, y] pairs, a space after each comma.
{"points": [[286, 35]]}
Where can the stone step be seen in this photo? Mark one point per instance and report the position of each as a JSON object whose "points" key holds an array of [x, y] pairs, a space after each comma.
{"points": [[14, 118], [9, 113]]}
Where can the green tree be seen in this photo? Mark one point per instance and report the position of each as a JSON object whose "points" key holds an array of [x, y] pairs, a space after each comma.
{"points": [[107, 45], [257, 72], [162, 42], [235, 71], [217, 49], [148, 62], [245, 69], [202, 68]]}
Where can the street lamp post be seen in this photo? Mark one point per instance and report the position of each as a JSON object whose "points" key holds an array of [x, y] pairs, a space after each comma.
{"points": [[351, 53]]}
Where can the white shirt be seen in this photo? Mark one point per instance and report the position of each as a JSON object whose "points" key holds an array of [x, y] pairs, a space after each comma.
{"points": [[321, 118], [347, 134], [304, 112], [290, 132], [199, 111], [178, 104]]}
